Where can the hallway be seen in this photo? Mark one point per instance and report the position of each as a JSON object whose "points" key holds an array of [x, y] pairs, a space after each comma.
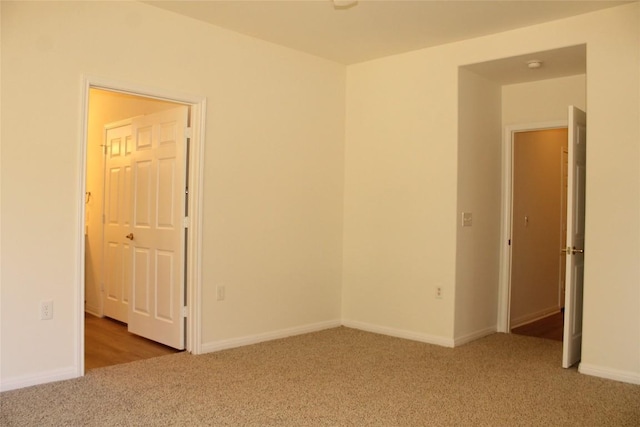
{"points": [[550, 327]]}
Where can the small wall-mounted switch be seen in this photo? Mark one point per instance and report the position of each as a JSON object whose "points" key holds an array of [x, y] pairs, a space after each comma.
{"points": [[467, 219]]}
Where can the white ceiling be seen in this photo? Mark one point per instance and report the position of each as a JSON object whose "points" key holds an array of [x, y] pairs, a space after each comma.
{"points": [[568, 61], [377, 28]]}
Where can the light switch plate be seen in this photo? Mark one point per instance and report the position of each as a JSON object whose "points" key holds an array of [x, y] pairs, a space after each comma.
{"points": [[467, 219]]}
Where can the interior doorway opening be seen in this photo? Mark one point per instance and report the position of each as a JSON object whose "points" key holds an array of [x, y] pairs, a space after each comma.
{"points": [[520, 95], [572, 247], [538, 232], [108, 103]]}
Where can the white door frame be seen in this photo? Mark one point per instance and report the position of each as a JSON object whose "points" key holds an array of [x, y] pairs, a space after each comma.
{"points": [[195, 182], [504, 286]]}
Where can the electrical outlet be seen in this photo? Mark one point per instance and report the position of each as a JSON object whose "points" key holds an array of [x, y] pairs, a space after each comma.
{"points": [[46, 310], [220, 292], [438, 292]]}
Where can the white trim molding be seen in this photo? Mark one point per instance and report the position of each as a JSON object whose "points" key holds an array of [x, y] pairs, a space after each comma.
{"points": [[399, 333], [504, 288], [474, 336], [268, 336], [609, 373], [532, 317], [93, 310], [194, 244], [39, 378]]}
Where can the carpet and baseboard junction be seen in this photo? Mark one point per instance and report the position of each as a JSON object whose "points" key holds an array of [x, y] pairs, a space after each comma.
{"points": [[336, 377]]}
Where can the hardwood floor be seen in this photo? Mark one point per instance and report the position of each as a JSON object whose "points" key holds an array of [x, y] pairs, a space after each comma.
{"points": [[550, 327], [107, 342]]}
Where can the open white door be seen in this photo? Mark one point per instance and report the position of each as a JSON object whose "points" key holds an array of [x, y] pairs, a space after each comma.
{"points": [[117, 250], [157, 229], [572, 341]]}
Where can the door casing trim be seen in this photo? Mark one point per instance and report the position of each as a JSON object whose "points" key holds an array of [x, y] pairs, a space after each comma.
{"points": [[504, 284], [195, 182]]}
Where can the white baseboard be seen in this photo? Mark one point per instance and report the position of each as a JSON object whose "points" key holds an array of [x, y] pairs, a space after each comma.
{"points": [[268, 336], [93, 310], [399, 333], [609, 373], [458, 341], [39, 378], [532, 317]]}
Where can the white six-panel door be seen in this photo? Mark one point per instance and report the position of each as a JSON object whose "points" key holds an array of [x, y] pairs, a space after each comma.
{"points": [[117, 250], [576, 180], [157, 229]]}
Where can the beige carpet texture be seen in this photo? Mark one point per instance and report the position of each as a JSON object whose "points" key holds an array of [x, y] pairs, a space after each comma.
{"points": [[337, 377]]}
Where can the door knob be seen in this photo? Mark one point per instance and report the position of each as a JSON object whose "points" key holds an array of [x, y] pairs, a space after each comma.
{"points": [[576, 251], [129, 236]]}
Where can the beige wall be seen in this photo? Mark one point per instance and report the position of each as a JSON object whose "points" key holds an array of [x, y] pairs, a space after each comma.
{"points": [[400, 195], [104, 108], [273, 171], [478, 189], [543, 101], [537, 232], [401, 182]]}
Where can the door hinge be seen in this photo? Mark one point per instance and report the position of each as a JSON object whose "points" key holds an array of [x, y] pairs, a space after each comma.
{"points": [[186, 222], [188, 132], [184, 311]]}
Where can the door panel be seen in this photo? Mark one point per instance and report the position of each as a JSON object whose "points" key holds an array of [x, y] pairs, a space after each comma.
{"points": [[117, 261], [563, 225], [142, 196], [164, 297], [576, 181], [141, 281], [158, 201]]}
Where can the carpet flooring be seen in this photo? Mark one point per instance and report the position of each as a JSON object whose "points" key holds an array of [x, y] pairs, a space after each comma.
{"points": [[337, 377]]}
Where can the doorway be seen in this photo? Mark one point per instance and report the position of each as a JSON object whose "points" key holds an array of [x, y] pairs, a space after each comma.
{"points": [[575, 230], [108, 102], [538, 232]]}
